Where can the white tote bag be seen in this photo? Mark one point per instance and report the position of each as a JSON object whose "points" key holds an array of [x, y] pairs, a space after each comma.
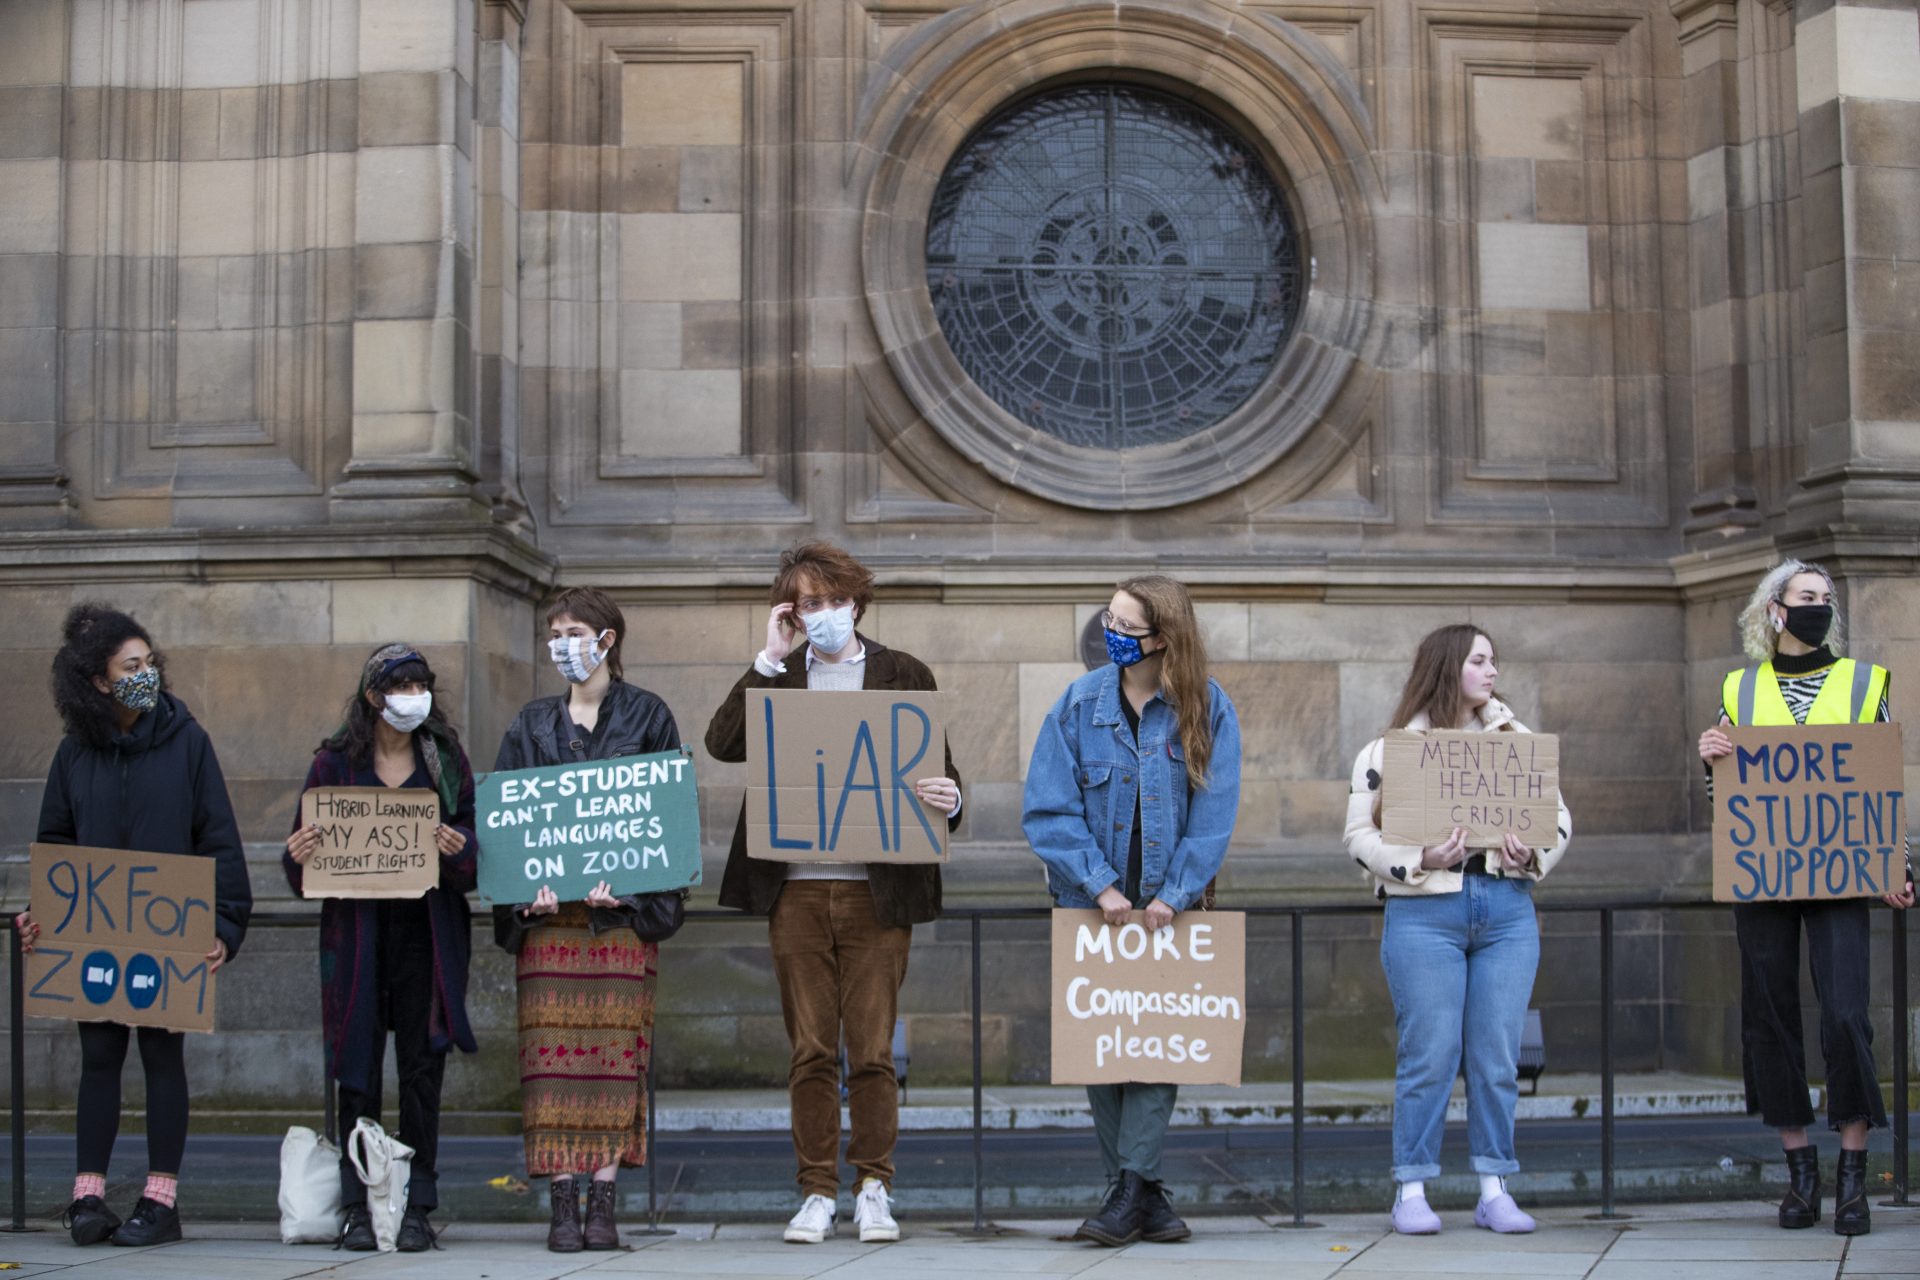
{"points": [[385, 1164], [309, 1188]]}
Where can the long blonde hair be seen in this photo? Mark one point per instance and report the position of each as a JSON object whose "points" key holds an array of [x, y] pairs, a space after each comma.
{"points": [[1183, 665], [1757, 635]]}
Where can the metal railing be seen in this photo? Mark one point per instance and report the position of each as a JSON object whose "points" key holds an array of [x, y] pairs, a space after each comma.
{"points": [[1296, 917]]}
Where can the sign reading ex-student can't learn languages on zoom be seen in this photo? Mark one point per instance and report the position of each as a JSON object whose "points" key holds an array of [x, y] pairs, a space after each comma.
{"points": [[123, 937], [1809, 811], [1132, 1006], [631, 821]]}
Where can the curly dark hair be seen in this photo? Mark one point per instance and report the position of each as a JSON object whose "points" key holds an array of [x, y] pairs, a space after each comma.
{"points": [[91, 635], [354, 737]]}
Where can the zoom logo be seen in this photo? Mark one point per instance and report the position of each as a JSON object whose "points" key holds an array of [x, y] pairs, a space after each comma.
{"points": [[100, 976]]}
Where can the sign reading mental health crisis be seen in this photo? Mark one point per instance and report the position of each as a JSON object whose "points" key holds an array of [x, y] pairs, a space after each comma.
{"points": [[632, 821], [1134, 1007], [1815, 811], [123, 937], [1486, 784], [830, 776], [375, 842]]}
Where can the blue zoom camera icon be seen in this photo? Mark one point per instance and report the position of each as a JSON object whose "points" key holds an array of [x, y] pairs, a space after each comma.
{"points": [[101, 974]]}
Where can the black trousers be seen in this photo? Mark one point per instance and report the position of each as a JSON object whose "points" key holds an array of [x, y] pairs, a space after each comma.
{"points": [[96, 1121], [1772, 1055], [405, 981]]}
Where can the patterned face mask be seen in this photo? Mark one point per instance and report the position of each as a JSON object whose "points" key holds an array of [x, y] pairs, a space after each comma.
{"points": [[1124, 649], [138, 693], [577, 657]]}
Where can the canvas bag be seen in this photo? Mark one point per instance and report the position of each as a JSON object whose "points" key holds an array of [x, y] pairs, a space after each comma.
{"points": [[309, 1188], [385, 1165]]}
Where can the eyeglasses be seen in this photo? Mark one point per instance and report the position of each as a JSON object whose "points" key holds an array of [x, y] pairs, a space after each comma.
{"points": [[1122, 627]]}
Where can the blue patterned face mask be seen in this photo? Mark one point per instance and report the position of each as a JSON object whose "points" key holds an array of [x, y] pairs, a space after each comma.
{"points": [[1124, 649], [138, 693]]}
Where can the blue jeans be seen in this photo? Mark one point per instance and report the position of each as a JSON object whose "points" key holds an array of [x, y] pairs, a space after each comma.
{"points": [[1460, 966]]}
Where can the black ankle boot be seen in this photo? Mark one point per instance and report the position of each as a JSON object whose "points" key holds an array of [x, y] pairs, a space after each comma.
{"points": [[1801, 1205], [1851, 1214], [1118, 1222], [1159, 1224], [563, 1233]]}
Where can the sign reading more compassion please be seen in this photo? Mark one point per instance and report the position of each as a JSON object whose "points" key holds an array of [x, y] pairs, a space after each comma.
{"points": [[123, 937], [830, 776], [375, 842], [1484, 783], [1133, 1007], [1813, 811], [631, 821]]}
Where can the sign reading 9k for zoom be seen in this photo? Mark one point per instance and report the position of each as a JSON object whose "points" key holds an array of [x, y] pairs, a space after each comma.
{"points": [[123, 937]]}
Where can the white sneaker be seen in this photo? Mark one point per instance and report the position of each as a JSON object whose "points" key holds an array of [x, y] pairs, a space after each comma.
{"points": [[813, 1223], [873, 1213]]}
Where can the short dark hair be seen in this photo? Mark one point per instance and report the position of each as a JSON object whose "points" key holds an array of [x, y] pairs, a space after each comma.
{"points": [[90, 636], [596, 608], [834, 569]]}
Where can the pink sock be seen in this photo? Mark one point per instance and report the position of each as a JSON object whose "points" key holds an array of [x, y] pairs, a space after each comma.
{"points": [[161, 1188], [89, 1184]]}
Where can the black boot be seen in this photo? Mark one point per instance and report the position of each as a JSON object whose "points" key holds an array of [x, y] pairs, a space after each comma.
{"points": [[89, 1221], [1158, 1222], [1852, 1216], [151, 1223], [1118, 1221], [416, 1234], [356, 1230], [563, 1233], [601, 1232], [1801, 1205]]}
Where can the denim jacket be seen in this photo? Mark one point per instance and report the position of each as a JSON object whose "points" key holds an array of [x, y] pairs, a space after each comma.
{"points": [[1086, 771]]}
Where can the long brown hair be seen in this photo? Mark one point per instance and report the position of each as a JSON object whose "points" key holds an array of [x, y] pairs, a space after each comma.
{"points": [[1183, 665], [1433, 686]]}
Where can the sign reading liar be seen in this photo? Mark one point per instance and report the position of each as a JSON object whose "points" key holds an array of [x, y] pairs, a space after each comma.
{"points": [[1133, 1007], [830, 776], [375, 842], [123, 937], [1809, 811], [1486, 784], [632, 821]]}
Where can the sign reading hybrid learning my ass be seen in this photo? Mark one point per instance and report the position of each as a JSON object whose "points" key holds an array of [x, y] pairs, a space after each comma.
{"points": [[830, 776], [375, 842], [1133, 1007], [632, 821], [1816, 811], [1486, 784], [123, 937]]}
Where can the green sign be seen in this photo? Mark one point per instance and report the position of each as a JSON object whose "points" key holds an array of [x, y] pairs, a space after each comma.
{"points": [[633, 821]]}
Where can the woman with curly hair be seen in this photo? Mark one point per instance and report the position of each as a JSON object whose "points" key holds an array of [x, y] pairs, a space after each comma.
{"points": [[134, 771]]}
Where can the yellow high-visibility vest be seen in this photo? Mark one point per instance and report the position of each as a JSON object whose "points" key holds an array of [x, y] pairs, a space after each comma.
{"points": [[1850, 694]]}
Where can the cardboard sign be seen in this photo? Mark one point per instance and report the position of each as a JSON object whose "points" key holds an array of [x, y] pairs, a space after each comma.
{"points": [[1484, 783], [632, 821], [123, 937], [830, 776], [375, 842], [1149, 1008], [1814, 811]]}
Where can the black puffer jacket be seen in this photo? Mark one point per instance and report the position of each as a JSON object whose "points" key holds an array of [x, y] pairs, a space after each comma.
{"points": [[157, 789]]}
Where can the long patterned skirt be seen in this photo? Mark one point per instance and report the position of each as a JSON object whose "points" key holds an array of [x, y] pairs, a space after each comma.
{"points": [[586, 1023]]}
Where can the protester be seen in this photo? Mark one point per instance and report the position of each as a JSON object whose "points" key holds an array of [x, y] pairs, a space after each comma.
{"points": [[1459, 947], [134, 771], [585, 971], [1791, 629], [1130, 801], [395, 964], [839, 932]]}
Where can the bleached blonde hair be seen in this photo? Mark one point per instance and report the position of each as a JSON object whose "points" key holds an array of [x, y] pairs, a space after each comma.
{"points": [[1757, 635]]}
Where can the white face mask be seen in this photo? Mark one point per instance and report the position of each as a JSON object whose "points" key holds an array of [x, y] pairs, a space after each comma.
{"points": [[577, 657], [829, 630], [407, 711]]}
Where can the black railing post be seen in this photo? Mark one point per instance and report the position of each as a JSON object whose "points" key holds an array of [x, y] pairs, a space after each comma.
{"points": [[1606, 1062], [1902, 1064], [1299, 1019], [17, 1043], [979, 1163]]}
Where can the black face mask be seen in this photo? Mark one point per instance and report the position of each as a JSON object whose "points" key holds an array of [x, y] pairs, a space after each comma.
{"points": [[1809, 623]]}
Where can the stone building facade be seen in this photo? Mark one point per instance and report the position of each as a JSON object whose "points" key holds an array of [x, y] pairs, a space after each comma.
{"points": [[326, 322]]}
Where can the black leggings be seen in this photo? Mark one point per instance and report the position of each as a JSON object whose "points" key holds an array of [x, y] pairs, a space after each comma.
{"points": [[103, 1051]]}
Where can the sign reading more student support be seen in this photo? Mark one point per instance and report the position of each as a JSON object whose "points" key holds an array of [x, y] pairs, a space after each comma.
{"points": [[1486, 784], [1815, 811], [830, 776], [632, 821], [375, 842], [1133, 1007], [123, 937]]}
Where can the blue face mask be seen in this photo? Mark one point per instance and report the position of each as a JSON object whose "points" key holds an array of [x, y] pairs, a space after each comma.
{"points": [[1125, 650], [829, 630]]}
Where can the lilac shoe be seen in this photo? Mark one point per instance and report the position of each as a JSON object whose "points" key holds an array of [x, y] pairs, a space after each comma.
{"points": [[1499, 1213], [1415, 1217]]}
